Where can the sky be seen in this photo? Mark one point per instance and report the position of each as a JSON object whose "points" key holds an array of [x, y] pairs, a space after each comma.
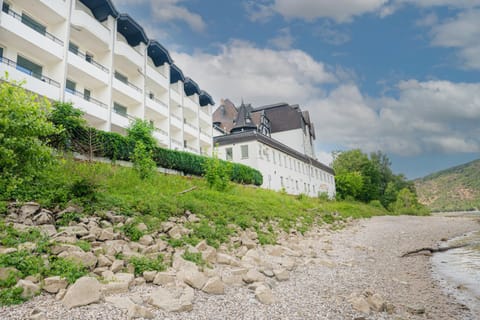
{"points": [[400, 76]]}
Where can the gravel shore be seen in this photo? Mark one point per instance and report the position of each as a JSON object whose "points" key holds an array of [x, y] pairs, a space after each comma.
{"points": [[364, 256]]}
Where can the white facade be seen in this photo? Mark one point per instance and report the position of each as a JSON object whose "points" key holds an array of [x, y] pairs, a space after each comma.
{"points": [[281, 167], [65, 52]]}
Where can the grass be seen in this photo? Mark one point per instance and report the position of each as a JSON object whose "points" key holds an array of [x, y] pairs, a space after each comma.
{"points": [[142, 264], [195, 257]]}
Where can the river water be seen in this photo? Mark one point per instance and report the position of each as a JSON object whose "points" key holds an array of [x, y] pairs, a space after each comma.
{"points": [[458, 270]]}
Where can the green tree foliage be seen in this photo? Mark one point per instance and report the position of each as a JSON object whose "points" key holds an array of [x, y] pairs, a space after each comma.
{"points": [[217, 173], [369, 178], [24, 156], [69, 119], [142, 161], [407, 203], [142, 131]]}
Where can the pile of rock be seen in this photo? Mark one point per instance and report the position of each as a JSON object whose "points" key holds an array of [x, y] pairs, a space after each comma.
{"points": [[242, 262]]}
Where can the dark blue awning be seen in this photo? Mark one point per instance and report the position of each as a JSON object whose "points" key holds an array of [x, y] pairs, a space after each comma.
{"points": [[158, 53], [101, 9], [205, 99], [131, 30], [191, 87], [176, 74]]}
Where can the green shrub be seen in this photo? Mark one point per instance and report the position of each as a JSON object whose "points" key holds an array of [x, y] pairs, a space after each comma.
{"points": [[84, 245], [68, 217], [25, 262], [11, 237], [195, 257], [10, 296], [68, 269], [142, 264], [132, 232], [216, 173], [10, 280], [142, 161], [142, 131], [376, 204]]}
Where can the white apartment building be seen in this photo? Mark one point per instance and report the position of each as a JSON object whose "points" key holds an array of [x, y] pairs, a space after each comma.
{"points": [[87, 53], [277, 140]]}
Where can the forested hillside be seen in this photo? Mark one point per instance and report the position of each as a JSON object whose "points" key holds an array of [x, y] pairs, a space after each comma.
{"points": [[456, 188]]}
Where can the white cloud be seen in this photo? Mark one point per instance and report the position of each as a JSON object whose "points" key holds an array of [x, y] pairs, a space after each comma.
{"points": [[170, 10], [261, 76], [331, 35], [339, 10], [462, 33], [283, 40], [428, 116]]}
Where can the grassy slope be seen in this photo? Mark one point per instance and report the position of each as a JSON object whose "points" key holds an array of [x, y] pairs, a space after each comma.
{"points": [[156, 199], [456, 188]]}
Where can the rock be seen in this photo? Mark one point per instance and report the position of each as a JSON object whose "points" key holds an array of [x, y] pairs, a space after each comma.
{"points": [[37, 314], [175, 232], [142, 227], [137, 311], [120, 283], [377, 303], [416, 309], [253, 276], [70, 209], [6, 272], [119, 302], [28, 210], [29, 288], [247, 242], [233, 280], [103, 261], [48, 229], [43, 217], [214, 285], [113, 218], [86, 259], [28, 246], [281, 274], [54, 284], [78, 231], [226, 259], [190, 275], [268, 272], [139, 281], [117, 265], [172, 299], [107, 234], [164, 278], [61, 294], [360, 304], [264, 295], [146, 240], [209, 255], [149, 276], [84, 291]]}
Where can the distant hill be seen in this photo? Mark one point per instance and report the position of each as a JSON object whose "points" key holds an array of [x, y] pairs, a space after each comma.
{"points": [[456, 188]]}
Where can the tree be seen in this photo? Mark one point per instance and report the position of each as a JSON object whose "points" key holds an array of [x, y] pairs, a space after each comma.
{"points": [[70, 120], [24, 127], [141, 130], [349, 185], [143, 162]]}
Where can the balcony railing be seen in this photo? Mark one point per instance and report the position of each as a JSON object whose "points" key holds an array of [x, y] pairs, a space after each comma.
{"points": [[86, 97], [39, 76], [205, 132], [125, 115], [160, 102], [17, 16], [88, 59], [176, 117], [161, 131], [192, 149], [177, 143], [120, 78], [191, 125]]}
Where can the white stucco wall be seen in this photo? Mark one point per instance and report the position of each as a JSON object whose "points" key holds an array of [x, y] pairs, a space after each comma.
{"points": [[281, 171]]}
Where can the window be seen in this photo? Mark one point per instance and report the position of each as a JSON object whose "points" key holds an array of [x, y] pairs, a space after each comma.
{"points": [[72, 47], [70, 86], [121, 77], [37, 26], [1, 54], [119, 109], [244, 151], [296, 184], [274, 157], [89, 57], [29, 67], [184, 143], [151, 95], [86, 94], [5, 7], [229, 154], [281, 181]]}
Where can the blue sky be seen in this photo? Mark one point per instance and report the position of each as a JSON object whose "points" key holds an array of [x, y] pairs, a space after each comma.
{"points": [[401, 76]]}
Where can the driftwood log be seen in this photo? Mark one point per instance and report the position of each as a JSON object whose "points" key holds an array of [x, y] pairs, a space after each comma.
{"points": [[188, 190], [433, 250]]}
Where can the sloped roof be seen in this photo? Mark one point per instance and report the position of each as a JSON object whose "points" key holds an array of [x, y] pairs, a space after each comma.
{"points": [[244, 122]]}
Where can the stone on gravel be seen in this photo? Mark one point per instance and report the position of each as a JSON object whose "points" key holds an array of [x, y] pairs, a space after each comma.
{"points": [[149, 276], [214, 285], [86, 259], [264, 294], [223, 258], [54, 284], [190, 275], [120, 284], [172, 299], [164, 278], [137, 311], [37, 314], [377, 303], [117, 265], [29, 288], [84, 291], [253, 276], [281, 274], [360, 304]]}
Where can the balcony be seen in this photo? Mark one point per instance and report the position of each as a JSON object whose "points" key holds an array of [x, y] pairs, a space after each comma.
{"points": [[38, 83], [205, 116], [51, 11], [89, 105], [205, 136], [157, 105], [157, 76], [176, 121], [82, 21], [176, 144], [175, 96], [190, 129], [27, 36], [89, 68], [127, 52], [161, 135], [121, 119], [190, 105], [192, 150], [130, 92]]}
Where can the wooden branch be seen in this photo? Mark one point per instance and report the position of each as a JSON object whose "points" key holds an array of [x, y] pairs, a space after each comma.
{"points": [[188, 190], [433, 250]]}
